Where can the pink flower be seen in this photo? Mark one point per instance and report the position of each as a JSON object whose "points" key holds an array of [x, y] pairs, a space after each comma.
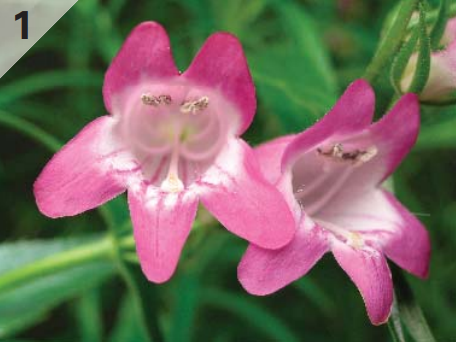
{"points": [[441, 84], [171, 140], [330, 175]]}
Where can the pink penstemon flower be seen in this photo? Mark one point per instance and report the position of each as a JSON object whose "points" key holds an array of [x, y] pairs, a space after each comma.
{"points": [[331, 176], [171, 139], [441, 84]]}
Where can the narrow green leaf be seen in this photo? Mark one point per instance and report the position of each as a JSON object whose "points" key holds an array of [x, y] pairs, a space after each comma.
{"points": [[49, 80], [36, 276], [30, 130], [402, 59], [423, 64], [258, 316], [185, 308], [440, 24], [88, 315], [395, 325], [409, 310], [127, 326]]}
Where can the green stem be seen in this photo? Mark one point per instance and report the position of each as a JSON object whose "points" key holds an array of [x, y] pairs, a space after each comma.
{"points": [[101, 249], [392, 40]]}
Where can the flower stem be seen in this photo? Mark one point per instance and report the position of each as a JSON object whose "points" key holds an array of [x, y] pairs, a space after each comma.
{"points": [[392, 40]]}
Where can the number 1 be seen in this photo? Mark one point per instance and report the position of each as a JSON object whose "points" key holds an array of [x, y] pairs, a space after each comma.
{"points": [[24, 23]]}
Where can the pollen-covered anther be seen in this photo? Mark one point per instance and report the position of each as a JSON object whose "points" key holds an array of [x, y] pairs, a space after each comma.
{"points": [[195, 106], [357, 157], [172, 183], [155, 101]]}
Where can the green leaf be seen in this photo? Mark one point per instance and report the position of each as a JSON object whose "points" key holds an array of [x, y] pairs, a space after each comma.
{"points": [[423, 64], [295, 79], [409, 310], [395, 325], [30, 300], [127, 327], [185, 308], [27, 128], [259, 317], [440, 24], [88, 314], [49, 80]]}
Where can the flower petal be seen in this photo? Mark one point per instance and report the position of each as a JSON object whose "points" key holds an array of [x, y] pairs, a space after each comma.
{"points": [[410, 247], [238, 195], [368, 269], [263, 271], [396, 133], [146, 54], [161, 225], [75, 179], [352, 113], [269, 157], [221, 65]]}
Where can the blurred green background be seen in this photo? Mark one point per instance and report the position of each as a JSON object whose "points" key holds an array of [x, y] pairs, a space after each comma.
{"points": [[302, 55]]}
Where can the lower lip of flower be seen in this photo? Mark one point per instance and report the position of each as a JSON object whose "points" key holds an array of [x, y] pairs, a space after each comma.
{"points": [[174, 133]]}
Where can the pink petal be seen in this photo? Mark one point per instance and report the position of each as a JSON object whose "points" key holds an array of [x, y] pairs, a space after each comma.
{"points": [[145, 55], [352, 113], [75, 179], [269, 157], [221, 65], [238, 195], [161, 225], [370, 273], [410, 247], [262, 271], [396, 133]]}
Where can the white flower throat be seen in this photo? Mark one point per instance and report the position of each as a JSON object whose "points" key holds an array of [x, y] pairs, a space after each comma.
{"points": [[173, 136]]}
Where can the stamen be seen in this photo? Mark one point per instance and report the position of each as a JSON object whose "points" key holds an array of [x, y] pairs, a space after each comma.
{"points": [[357, 157], [155, 101], [172, 183], [195, 106]]}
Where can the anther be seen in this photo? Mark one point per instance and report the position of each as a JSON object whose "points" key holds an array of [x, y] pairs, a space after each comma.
{"points": [[155, 101], [195, 106], [357, 157]]}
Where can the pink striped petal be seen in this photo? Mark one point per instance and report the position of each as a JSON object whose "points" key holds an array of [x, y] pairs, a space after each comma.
{"points": [[352, 113], [145, 55], [410, 246], [75, 179], [238, 195], [221, 65], [262, 271], [161, 225], [368, 269]]}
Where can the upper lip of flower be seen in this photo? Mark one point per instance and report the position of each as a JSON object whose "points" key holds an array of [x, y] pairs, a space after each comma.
{"points": [[171, 139], [330, 175]]}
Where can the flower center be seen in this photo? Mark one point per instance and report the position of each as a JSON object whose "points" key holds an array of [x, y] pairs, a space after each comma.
{"points": [[174, 133], [320, 175]]}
